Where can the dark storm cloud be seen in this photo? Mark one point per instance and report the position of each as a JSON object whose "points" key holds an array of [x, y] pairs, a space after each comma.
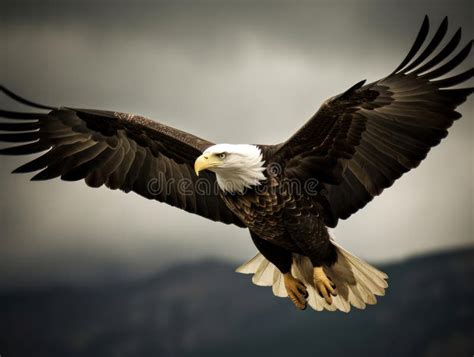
{"points": [[239, 72]]}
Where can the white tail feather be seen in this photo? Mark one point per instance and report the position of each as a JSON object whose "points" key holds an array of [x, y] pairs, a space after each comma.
{"points": [[357, 282]]}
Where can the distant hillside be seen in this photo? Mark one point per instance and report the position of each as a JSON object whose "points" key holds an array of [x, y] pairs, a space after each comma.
{"points": [[205, 309]]}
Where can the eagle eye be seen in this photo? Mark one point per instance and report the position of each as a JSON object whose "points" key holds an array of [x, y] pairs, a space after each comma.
{"points": [[222, 155]]}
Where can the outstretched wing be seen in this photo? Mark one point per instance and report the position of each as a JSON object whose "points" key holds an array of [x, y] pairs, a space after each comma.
{"points": [[360, 142], [122, 151]]}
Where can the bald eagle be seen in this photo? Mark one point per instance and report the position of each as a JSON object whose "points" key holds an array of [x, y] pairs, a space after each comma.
{"points": [[287, 195]]}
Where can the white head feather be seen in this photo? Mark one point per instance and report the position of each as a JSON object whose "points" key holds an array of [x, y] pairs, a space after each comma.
{"points": [[241, 168]]}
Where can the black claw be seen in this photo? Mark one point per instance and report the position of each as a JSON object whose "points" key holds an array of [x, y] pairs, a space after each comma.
{"points": [[303, 292]]}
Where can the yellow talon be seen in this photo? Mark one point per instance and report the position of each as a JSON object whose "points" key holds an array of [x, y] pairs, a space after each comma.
{"points": [[324, 285], [296, 291]]}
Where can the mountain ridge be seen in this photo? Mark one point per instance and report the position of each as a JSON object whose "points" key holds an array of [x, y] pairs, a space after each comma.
{"points": [[205, 309]]}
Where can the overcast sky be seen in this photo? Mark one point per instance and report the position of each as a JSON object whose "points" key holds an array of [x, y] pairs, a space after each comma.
{"points": [[239, 73]]}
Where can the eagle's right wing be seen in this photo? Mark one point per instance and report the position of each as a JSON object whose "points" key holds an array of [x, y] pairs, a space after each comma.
{"points": [[361, 141], [122, 151]]}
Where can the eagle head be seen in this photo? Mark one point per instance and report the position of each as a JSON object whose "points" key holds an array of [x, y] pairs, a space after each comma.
{"points": [[237, 167]]}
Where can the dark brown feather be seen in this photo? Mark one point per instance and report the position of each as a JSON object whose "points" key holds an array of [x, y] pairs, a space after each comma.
{"points": [[122, 151], [360, 142]]}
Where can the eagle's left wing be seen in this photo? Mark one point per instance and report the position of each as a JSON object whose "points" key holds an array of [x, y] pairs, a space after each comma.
{"points": [[360, 142], [121, 151]]}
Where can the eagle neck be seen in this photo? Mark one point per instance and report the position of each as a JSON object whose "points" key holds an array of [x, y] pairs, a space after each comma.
{"points": [[245, 176]]}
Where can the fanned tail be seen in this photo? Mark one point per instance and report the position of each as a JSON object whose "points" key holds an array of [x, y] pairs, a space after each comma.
{"points": [[358, 283]]}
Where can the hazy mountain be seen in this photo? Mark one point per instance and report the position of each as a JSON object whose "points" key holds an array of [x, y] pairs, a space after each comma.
{"points": [[205, 309]]}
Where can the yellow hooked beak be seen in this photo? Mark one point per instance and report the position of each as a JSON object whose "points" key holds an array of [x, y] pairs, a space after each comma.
{"points": [[204, 162]]}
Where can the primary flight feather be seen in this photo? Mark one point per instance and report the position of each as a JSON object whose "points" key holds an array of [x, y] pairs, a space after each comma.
{"points": [[287, 195]]}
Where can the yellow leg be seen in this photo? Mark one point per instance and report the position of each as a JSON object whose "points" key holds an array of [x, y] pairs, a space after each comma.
{"points": [[325, 286], [296, 291]]}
